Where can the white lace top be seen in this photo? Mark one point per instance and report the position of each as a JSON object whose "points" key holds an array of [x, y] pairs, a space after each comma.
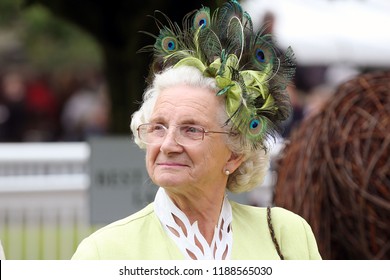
{"points": [[221, 245]]}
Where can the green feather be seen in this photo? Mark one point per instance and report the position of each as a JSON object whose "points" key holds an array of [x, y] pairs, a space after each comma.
{"points": [[202, 18]]}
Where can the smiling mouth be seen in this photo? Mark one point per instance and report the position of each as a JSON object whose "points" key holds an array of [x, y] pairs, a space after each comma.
{"points": [[171, 164]]}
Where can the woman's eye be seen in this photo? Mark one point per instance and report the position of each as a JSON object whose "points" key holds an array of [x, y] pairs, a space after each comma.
{"points": [[193, 129], [157, 127]]}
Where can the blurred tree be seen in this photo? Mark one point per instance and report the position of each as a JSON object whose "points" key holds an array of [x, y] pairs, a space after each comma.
{"points": [[51, 43], [9, 11], [115, 24], [42, 40]]}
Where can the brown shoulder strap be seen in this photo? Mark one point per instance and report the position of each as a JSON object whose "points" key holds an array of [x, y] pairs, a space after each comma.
{"points": [[271, 231]]}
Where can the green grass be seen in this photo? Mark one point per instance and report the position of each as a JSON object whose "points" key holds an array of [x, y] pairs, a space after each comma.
{"points": [[45, 242]]}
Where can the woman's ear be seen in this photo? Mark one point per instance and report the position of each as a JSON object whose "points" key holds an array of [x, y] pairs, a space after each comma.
{"points": [[234, 162]]}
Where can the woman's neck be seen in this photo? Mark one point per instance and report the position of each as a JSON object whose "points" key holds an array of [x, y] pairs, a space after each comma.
{"points": [[200, 208]]}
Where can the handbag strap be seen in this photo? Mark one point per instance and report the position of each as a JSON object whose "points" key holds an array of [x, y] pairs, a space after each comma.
{"points": [[272, 232]]}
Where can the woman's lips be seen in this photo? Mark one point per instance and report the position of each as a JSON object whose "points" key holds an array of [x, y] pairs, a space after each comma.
{"points": [[171, 164]]}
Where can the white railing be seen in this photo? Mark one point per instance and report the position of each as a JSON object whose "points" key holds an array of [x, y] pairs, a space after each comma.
{"points": [[43, 199]]}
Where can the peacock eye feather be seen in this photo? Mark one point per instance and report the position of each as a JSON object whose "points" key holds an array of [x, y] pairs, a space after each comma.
{"points": [[202, 22], [169, 44], [263, 53], [254, 124], [202, 18], [255, 127], [260, 56]]}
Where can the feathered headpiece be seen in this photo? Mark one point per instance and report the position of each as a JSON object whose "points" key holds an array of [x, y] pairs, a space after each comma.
{"points": [[249, 70]]}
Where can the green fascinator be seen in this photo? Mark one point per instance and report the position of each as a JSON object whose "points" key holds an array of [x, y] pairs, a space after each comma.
{"points": [[247, 67]]}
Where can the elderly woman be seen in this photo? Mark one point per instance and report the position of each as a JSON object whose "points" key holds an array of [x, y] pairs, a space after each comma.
{"points": [[204, 125]]}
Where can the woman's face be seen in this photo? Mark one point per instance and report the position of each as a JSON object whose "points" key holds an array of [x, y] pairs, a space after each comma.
{"points": [[186, 168]]}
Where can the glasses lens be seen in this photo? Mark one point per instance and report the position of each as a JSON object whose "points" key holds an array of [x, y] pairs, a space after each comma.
{"points": [[185, 135], [151, 133], [190, 135]]}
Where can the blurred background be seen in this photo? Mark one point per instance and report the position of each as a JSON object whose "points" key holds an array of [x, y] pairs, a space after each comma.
{"points": [[70, 78]]}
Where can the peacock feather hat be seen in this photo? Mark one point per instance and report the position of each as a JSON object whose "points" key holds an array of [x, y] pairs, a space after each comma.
{"points": [[248, 68]]}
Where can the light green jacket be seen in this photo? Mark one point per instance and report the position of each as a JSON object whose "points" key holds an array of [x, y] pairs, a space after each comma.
{"points": [[142, 237]]}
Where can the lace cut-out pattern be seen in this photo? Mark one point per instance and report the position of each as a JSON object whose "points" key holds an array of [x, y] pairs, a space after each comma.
{"points": [[188, 237]]}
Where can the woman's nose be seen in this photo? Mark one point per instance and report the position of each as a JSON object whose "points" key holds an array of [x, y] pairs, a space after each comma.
{"points": [[169, 143]]}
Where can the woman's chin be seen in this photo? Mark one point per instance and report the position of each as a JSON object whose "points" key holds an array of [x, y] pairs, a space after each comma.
{"points": [[170, 180]]}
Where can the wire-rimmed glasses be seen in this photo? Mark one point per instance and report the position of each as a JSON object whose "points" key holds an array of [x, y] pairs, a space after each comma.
{"points": [[185, 134]]}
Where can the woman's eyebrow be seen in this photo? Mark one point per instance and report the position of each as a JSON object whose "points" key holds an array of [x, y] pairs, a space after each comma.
{"points": [[157, 119], [189, 121]]}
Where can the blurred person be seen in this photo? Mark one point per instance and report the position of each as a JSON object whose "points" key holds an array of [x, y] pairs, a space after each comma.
{"points": [[205, 123], [12, 107], [86, 113], [42, 110]]}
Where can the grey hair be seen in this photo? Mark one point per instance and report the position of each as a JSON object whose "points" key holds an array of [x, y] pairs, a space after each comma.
{"points": [[252, 170]]}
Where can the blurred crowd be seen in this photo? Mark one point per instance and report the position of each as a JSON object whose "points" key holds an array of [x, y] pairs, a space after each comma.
{"points": [[64, 106], [72, 105]]}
